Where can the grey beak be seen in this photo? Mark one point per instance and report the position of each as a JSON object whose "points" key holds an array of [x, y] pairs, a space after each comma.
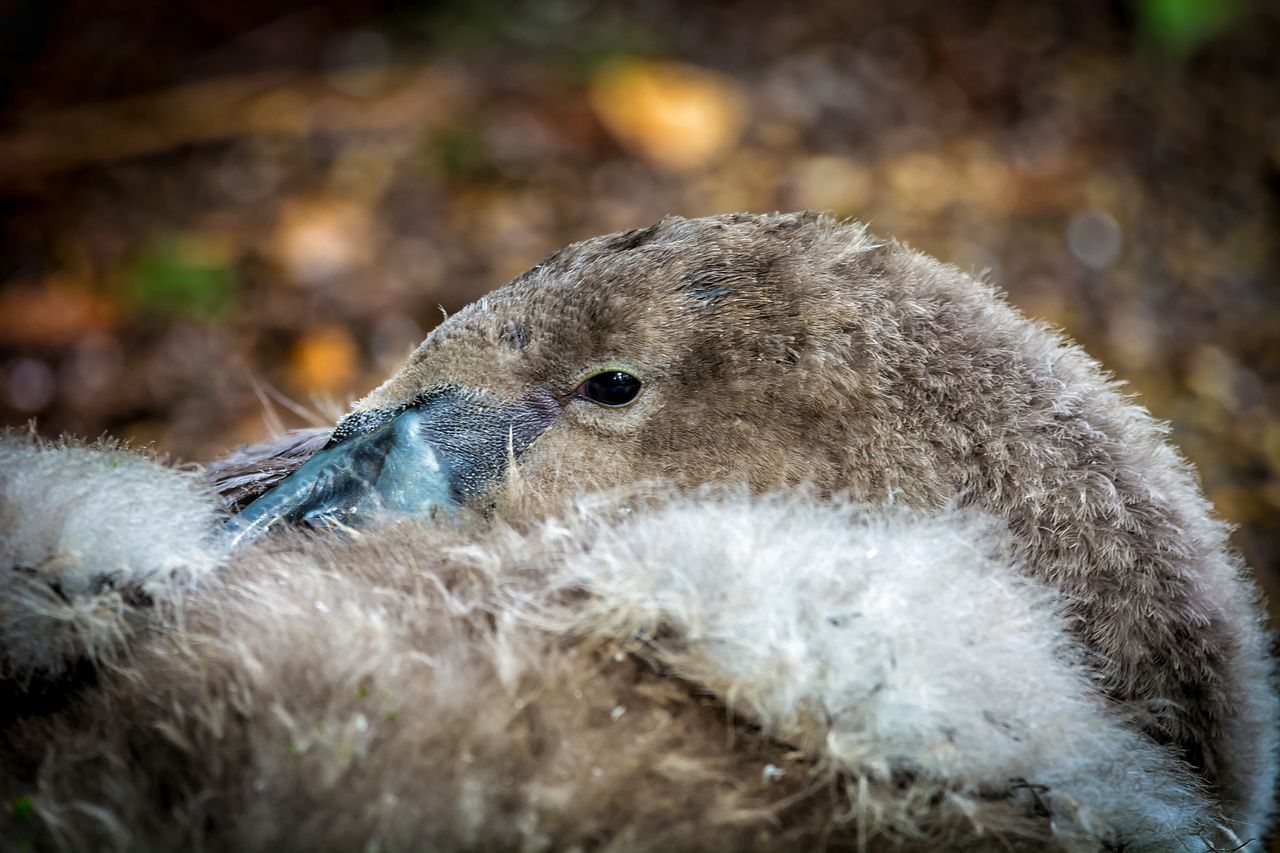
{"points": [[430, 457]]}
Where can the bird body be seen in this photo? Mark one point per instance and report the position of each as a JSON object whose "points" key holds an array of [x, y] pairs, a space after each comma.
{"points": [[785, 355]]}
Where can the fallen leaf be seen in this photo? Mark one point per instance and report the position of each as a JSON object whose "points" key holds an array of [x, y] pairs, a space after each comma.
{"points": [[57, 315], [677, 116], [321, 239], [325, 360]]}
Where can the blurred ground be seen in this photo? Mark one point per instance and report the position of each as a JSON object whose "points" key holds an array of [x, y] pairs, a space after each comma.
{"points": [[208, 213]]}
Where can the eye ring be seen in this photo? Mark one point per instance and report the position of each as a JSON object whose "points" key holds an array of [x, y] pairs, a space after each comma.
{"points": [[612, 389]]}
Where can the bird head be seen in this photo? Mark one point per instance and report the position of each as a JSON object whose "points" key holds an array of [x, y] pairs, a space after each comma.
{"points": [[718, 350]]}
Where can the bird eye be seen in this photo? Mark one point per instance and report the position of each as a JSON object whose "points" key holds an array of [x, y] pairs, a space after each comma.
{"points": [[610, 388]]}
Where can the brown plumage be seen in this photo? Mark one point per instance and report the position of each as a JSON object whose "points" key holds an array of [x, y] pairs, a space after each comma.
{"points": [[791, 351]]}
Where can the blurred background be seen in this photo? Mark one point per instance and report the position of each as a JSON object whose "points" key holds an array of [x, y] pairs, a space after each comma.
{"points": [[221, 218]]}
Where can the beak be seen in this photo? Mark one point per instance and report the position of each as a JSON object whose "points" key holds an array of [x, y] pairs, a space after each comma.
{"points": [[433, 456]]}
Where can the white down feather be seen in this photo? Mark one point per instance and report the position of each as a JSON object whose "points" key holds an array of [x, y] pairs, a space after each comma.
{"points": [[81, 531], [886, 641]]}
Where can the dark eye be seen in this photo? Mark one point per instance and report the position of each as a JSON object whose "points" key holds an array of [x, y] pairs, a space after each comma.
{"points": [[610, 388]]}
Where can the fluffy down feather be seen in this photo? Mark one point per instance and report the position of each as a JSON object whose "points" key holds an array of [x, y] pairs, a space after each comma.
{"points": [[74, 557], [714, 672]]}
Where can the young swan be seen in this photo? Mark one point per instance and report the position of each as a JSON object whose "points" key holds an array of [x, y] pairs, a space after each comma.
{"points": [[794, 349], [774, 352]]}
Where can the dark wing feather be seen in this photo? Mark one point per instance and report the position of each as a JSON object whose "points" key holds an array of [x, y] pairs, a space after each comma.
{"points": [[244, 474]]}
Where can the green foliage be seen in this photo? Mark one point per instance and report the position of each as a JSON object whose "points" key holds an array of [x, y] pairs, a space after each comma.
{"points": [[179, 278], [1182, 26], [459, 153], [23, 809]]}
